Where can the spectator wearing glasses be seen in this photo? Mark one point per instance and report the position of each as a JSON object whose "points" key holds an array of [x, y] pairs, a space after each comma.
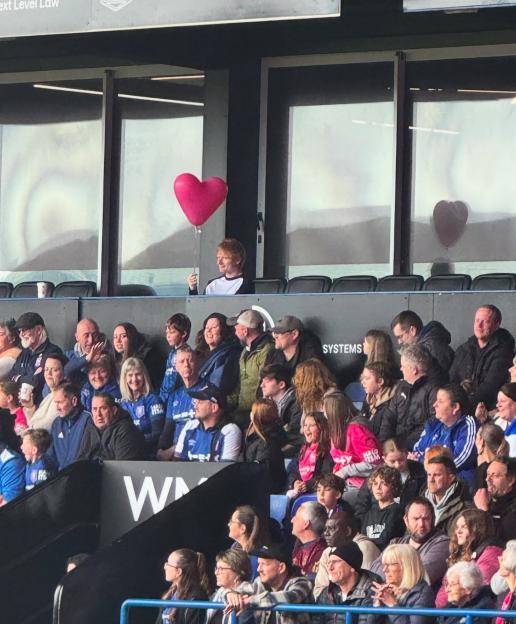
{"points": [[232, 572], [36, 346], [230, 258]]}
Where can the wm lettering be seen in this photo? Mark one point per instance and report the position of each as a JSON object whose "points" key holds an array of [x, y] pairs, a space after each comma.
{"points": [[148, 492]]}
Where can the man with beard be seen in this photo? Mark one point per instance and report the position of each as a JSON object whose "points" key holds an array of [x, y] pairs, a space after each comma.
{"points": [[499, 499], [257, 343], [36, 347], [432, 546], [342, 528]]}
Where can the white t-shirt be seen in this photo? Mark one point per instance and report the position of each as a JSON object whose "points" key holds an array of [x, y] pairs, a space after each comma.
{"points": [[224, 285]]}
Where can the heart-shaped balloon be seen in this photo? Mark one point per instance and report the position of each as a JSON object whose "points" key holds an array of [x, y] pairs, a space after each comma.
{"points": [[199, 200], [450, 218]]}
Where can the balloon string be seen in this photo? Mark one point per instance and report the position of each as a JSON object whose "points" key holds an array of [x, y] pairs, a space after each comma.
{"points": [[197, 259]]}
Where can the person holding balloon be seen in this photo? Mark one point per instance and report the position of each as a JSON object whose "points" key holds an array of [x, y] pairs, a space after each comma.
{"points": [[230, 260]]}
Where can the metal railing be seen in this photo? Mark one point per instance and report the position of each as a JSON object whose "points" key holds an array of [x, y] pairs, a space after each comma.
{"points": [[469, 614]]}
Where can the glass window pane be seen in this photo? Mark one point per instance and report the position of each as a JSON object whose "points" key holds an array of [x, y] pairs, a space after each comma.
{"points": [[50, 181], [463, 151], [339, 169], [160, 140]]}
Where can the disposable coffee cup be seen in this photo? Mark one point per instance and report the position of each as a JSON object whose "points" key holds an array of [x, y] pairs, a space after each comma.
{"points": [[43, 290], [25, 391]]}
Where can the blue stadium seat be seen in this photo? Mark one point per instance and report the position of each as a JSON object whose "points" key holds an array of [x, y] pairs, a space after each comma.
{"points": [[355, 392], [278, 507], [354, 283], [455, 281], [304, 498], [309, 284], [400, 283]]}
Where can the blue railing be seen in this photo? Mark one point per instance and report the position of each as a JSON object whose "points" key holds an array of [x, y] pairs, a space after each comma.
{"points": [[469, 614]]}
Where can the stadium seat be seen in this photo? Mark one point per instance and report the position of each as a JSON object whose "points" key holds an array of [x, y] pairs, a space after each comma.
{"points": [[456, 281], [278, 507], [76, 289], [269, 285], [6, 290], [308, 284], [304, 498], [494, 281], [400, 283], [135, 290], [29, 290], [356, 393], [354, 283]]}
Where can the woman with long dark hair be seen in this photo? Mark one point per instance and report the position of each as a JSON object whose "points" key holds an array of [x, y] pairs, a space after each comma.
{"points": [[264, 440], [472, 539], [218, 345], [379, 384], [128, 342], [314, 459], [355, 450], [187, 574]]}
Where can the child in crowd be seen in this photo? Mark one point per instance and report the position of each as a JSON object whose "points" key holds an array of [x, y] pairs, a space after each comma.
{"points": [[384, 520], [9, 400], [35, 444], [177, 332], [329, 492]]}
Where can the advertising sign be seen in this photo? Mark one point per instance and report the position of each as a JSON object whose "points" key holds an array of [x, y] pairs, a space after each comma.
{"points": [[45, 17], [450, 5]]}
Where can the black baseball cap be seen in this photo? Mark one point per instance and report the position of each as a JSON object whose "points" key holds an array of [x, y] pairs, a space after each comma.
{"points": [[350, 553], [28, 320], [208, 392], [273, 551]]}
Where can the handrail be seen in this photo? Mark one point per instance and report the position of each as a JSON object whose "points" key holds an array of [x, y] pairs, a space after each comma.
{"points": [[469, 614]]}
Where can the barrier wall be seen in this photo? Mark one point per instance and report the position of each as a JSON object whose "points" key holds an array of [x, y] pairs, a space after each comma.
{"points": [[133, 564], [341, 320]]}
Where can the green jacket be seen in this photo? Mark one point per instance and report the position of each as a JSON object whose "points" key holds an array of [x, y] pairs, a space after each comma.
{"points": [[251, 363]]}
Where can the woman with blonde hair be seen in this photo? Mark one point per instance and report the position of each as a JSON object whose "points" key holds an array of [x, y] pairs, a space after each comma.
{"points": [[406, 585], [145, 408], [232, 573], [264, 440], [312, 381], [187, 574], [472, 538], [354, 449], [379, 348]]}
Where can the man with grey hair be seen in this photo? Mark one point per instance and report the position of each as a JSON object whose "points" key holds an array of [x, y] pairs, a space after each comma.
{"points": [[257, 343], [308, 525], [466, 590], [412, 404]]}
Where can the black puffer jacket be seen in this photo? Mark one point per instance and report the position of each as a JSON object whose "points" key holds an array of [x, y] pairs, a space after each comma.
{"points": [[483, 371], [409, 409], [436, 339], [309, 346], [268, 452], [120, 440], [483, 600]]}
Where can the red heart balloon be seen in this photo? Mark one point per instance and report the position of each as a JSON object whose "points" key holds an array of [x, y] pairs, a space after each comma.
{"points": [[199, 200], [450, 220]]}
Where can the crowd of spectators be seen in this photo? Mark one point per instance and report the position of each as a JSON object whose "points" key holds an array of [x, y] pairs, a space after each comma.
{"points": [[408, 501]]}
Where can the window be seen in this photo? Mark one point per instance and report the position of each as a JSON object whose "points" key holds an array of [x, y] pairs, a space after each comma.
{"points": [[160, 140], [50, 180], [330, 170], [463, 129]]}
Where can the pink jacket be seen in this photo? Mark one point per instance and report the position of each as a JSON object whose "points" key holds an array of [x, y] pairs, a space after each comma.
{"points": [[488, 564], [361, 453]]}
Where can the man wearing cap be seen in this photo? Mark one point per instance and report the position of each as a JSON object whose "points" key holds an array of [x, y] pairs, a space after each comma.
{"points": [[208, 437], [36, 346], [257, 343], [349, 585], [293, 343], [276, 584]]}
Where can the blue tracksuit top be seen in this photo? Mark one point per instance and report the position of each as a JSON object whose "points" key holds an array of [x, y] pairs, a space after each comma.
{"points": [[459, 438], [170, 378], [180, 409], [39, 471], [66, 437], [88, 391], [12, 473], [148, 414]]}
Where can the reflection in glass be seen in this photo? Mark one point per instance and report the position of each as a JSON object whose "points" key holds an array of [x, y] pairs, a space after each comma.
{"points": [[50, 183], [340, 189], [463, 189], [160, 140]]}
